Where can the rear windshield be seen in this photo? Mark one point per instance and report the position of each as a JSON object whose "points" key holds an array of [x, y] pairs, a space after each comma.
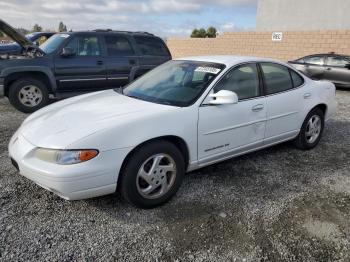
{"points": [[151, 46]]}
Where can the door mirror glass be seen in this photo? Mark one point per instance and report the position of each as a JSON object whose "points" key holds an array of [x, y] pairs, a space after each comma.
{"points": [[223, 97], [67, 52]]}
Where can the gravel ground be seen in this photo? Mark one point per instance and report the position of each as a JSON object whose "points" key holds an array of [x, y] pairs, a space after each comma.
{"points": [[272, 205]]}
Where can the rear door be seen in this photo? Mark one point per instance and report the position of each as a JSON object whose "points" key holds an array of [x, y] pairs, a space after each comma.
{"points": [[121, 59], [314, 66], [337, 70], [84, 71], [284, 92], [153, 52]]}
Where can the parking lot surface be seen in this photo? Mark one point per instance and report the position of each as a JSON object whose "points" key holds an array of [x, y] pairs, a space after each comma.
{"points": [[276, 204]]}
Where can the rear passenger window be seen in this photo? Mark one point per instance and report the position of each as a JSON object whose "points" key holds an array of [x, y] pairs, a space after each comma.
{"points": [[277, 78], [118, 46], [243, 80], [297, 79], [151, 46]]}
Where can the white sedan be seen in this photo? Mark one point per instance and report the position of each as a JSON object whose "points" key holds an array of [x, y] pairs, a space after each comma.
{"points": [[185, 114]]}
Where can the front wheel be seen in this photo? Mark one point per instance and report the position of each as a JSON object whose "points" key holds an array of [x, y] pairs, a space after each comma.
{"points": [[28, 95], [311, 130], [152, 175]]}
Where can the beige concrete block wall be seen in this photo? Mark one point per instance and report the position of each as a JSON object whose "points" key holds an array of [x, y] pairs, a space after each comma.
{"points": [[293, 45]]}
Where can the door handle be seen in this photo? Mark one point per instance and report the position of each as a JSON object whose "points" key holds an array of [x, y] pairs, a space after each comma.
{"points": [[258, 108], [307, 95], [99, 62]]}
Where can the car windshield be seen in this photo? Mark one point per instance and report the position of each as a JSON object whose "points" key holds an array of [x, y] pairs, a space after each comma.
{"points": [[177, 83], [31, 37], [53, 43]]}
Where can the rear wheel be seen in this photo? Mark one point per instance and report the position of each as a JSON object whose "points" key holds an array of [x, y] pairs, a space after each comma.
{"points": [[152, 175], [311, 130], [28, 95]]}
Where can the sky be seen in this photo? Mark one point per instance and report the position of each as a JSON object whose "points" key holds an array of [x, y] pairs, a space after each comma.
{"points": [[165, 18]]}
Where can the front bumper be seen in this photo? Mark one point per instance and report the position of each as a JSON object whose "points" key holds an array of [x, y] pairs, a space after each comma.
{"points": [[92, 178], [2, 87]]}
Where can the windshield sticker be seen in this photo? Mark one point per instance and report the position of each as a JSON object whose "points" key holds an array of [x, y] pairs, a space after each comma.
{"points": [[207, 69], [64, 35]]}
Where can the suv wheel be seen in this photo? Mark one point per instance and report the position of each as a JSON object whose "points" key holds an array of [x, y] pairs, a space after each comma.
{"points": [[311, 130], [28, 95], [152, 175]]}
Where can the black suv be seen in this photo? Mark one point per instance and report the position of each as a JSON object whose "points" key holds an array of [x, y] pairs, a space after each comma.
{"points": [[72, 63]]}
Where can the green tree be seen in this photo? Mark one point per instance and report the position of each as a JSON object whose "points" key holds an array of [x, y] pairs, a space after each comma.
{"points": [[62, 27], [194, 33], [199, 33], [37, 28], [211, 32], [202, 33]]}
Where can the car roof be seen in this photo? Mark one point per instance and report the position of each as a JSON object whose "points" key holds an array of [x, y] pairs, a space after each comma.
{"points": [[229, 60], [326, 54], [109, 31]]}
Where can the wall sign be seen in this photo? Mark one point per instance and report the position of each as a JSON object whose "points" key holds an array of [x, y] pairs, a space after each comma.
{"points": [[277, 36]]}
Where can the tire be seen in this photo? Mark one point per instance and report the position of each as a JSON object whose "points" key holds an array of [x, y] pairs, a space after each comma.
{"points": [[134, 184], [303, 140], [28, 95]]}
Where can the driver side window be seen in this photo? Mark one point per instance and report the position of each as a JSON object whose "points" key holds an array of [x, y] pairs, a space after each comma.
{"points": [[243, 80], [85, 45]]}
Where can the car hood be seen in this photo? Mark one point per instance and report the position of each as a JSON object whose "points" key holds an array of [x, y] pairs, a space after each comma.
{"points": [[63, 123], [15, 35]]}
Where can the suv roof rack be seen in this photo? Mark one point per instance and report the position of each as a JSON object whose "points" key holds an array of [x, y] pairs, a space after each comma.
{"points": [[120, 31]]}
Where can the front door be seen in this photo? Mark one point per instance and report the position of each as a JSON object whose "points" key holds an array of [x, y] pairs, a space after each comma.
{"points": [[83, 71], [225, 130]]}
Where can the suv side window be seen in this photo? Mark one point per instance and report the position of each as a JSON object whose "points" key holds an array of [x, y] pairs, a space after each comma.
{"points": [[337, 61], [118, 46], [151, 46], [85, 45], [243, 80], [277, 78], [314, 60]]}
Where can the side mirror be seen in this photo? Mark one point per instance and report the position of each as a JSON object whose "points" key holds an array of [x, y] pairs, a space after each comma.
{"points": [[224, 97], [347, 66], [67, 52]]}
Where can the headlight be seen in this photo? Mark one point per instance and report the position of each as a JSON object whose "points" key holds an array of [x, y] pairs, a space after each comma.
{"points": [[65, 157]]}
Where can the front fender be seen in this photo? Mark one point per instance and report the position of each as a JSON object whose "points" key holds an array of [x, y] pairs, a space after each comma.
{"points": [[6, 72]]}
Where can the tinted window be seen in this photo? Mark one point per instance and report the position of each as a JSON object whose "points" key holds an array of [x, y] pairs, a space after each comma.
{"points": [[337, 61], [118, 46], [244, 81], [277, 78], [85, 45], [315, 60], [297, 79], [151, 46]]}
